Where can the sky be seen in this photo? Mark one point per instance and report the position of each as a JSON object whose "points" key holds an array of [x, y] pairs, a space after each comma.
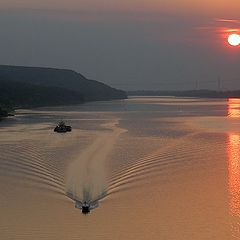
{"points": [[131, 45]]}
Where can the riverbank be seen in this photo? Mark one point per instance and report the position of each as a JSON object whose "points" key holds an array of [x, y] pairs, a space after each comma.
{"points": [[4, 113]]}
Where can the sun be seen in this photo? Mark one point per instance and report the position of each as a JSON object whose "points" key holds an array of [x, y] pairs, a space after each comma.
{"points": [[234, 39]]}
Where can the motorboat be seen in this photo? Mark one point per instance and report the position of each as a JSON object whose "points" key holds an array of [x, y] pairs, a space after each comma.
{"points": [[62, 128], [85, 208]]}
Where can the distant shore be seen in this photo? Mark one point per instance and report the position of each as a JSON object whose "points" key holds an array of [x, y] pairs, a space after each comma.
{"points": [[188, 93]]}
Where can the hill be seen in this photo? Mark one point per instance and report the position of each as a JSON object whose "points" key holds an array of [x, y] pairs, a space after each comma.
{"points": [[90, 90], [16, 94]]}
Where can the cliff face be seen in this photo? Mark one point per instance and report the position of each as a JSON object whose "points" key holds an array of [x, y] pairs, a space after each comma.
{"points": [[90, 90]]}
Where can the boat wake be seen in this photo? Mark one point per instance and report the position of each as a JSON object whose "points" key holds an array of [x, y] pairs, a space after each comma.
{"points": [[85, 204], [86, 178]]}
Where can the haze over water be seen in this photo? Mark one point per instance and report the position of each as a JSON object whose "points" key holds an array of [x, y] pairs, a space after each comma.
{"points": [[131, 45], [164, 168]]}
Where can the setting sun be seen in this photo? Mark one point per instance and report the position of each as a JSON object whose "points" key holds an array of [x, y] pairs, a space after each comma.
{"points": [[234, 39]]}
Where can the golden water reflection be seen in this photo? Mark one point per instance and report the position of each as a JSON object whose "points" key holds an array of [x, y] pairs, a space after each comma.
{"points": [[234, 107], [234, 173], [233, 150]]}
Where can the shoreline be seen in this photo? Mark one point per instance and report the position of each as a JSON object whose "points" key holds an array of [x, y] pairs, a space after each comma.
{"points": [[10, 113], [204, 93]]}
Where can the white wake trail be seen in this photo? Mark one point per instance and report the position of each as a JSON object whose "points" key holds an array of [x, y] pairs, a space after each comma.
{"points": [[86, 178]]}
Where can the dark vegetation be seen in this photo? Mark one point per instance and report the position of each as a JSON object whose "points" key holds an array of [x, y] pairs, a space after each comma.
{"points": [[33, 86], [18, 94], [190, 93], [3, 113]]}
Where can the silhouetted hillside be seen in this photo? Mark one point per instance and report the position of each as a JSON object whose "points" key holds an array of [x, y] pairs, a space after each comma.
{"points": [[90, 90], [3, 113], [16, 94]]}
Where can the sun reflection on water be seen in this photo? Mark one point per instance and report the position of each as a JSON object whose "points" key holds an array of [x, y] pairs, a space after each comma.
{"points": [[234, 107], [234, 173], [233, 150]]}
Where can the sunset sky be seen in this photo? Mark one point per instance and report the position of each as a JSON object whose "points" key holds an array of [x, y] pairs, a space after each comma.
{"points": [[137, 44]]}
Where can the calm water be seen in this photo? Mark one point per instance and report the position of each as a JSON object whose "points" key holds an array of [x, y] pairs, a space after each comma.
{"points": [[161, 168]]}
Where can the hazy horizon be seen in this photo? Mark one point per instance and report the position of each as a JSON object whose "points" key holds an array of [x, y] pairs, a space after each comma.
{"points": [[142, 45]]}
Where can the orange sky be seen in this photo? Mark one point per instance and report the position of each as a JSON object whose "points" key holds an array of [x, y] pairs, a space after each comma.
{"points": [[183, 41], [200, 6]]}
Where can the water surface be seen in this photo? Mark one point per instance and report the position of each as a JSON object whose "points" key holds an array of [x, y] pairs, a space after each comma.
{"points": [[163, 168]]}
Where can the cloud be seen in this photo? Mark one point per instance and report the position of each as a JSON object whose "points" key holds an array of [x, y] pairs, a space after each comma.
{"points": [[227, 20], [221, 26]]}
